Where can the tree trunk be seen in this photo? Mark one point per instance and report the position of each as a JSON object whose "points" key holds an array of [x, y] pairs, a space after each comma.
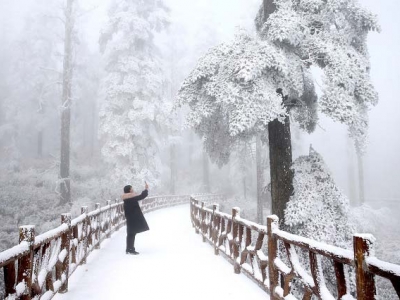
{"points": [[351, 172], [260, 181], [361, 192], [280, 155], [280, 152], [269, 8], [206, 173], [66, 108]]}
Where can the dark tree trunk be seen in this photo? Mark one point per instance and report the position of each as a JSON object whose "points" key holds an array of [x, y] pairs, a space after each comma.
{"points": [[66, 109], [280, 155], [260, 181], [280, 152], [352, 178], [269, 8], [206, 173]]}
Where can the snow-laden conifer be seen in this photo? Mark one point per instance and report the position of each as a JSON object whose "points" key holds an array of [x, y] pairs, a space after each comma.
{"points": [[318, 209], [132, 109], [331, 35], [232, 90]]}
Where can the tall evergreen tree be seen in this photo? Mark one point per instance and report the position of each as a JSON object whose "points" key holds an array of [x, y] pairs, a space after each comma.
{"points": [[132, 111], [240, 88]]}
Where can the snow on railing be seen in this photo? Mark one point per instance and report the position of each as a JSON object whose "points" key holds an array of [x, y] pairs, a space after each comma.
{"points": [[251, 248], [39, 267]]}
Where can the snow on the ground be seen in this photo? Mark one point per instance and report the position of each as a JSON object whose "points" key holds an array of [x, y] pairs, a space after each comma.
{"points": [[173, 263]]}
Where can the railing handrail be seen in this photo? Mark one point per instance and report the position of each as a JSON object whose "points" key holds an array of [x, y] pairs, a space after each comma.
{"points": [[62, 249], [232, 236]]}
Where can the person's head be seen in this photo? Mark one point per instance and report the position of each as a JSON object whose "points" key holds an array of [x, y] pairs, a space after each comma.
{"points": [[128, 189]]}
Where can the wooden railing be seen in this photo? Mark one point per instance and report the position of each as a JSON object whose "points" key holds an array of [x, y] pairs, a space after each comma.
{"points": [[254, 249], [40, 266]]}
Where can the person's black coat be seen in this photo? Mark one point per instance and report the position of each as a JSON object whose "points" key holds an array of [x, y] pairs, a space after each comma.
{"points": [[135, 221]]}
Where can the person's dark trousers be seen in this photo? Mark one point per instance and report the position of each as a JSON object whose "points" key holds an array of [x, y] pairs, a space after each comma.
{"points": [[130, 242]]}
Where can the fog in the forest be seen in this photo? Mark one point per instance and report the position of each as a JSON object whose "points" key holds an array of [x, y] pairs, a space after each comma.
{"points": [[203, 24], [111, 60], [31, 62]]}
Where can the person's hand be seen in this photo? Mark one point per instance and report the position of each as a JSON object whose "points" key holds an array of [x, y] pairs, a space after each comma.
{"points": [[146, 186]]}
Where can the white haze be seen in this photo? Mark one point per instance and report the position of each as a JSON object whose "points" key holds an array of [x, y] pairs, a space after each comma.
{"points": [[382, 160]]}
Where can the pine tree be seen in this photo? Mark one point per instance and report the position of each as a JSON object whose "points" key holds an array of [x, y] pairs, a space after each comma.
{"points": [[132, 111], [240, 88], [318, 209]]}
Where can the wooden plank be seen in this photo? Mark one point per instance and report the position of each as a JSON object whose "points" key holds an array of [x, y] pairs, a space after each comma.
{"points": [[9, 278], [364, 279], [340, 279]]}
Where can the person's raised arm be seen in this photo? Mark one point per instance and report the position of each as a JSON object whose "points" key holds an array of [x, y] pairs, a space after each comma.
{"points": [[144, 194]]}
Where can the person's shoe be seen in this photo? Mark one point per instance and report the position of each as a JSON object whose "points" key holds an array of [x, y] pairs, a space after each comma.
{"points": [[132, 252]]}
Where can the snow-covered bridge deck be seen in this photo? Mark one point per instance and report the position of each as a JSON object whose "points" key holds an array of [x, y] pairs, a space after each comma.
{"points": [[173, 263]]}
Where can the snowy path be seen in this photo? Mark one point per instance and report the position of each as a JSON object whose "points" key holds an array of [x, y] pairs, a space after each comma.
{"points": [[173, 263]]}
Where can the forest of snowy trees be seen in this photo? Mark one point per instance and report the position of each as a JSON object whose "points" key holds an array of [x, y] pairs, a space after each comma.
{"points": [[208, 97]]}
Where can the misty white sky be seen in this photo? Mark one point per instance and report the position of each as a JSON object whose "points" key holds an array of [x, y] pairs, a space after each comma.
{"points": [[382, 161]]}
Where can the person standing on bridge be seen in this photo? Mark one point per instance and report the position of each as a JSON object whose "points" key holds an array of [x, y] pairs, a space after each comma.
{"points": [[135, 221]]}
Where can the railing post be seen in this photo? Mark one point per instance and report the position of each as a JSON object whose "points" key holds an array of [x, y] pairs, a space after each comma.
{"points": [[109, 219], [203, 221], [192, 211], [363, 247], [272, 224], [196, 216], [64, 254], [121, 213], [98, 224], [9, 278], [116, 215], [215, 228], [25, 263], [235, 242], [84, 210], [75, 238]]}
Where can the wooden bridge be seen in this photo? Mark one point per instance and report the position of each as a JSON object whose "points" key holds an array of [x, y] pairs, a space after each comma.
{"points": [[44, 266]]}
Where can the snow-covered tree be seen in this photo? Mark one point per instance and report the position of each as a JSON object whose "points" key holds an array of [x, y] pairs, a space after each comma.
{"points": [[318, 209], [240, 88], [132, 110], [331, 35], [232, 91]]}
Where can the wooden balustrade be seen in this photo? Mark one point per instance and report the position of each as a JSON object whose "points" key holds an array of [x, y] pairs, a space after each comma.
{"points": [[41, 266], [270, 257]]}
